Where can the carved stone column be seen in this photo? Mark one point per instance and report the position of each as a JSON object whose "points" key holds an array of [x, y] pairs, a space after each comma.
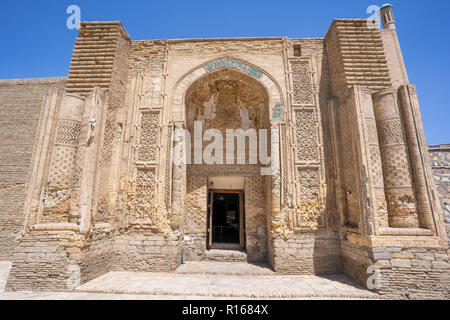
{"points": [[418, 153], [38, 182], [373, 157], [94, 121], [275, 179], [399, 189], [178, 176]]}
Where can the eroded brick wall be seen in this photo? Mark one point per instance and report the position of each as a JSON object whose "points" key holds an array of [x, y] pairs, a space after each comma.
{"points": [[255, 219], [196, 215]]}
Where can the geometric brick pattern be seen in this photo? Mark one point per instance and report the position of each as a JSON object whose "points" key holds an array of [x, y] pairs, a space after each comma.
{"points": [[371, 129], [148, 148], [145, 193], [68, 132], [376, 167], [168, 167], [308, 179], [390, 132], [306, 135], [62, 168], [301, 83], [396, 170], [284, 161]]}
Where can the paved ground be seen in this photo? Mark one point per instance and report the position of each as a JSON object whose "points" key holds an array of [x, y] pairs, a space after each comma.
{"points": [[207, 280], [28, 295], [219, 279], [34, 295]]}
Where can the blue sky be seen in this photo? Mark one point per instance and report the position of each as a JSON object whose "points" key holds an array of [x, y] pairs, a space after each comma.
{"points": [[37, 43]]}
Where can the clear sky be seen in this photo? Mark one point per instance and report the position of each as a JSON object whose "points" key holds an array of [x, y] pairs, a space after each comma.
{"points": [[35, 41]]}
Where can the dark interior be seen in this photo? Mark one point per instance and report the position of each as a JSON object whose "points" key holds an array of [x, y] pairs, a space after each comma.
{"points": [[225, 220]]}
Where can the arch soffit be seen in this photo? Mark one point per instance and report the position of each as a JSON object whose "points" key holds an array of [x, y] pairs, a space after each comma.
{"points": [[265, 79]]}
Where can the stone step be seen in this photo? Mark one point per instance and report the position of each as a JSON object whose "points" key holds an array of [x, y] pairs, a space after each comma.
{"points": [[225, 268], [226, 255], [5, 267]]}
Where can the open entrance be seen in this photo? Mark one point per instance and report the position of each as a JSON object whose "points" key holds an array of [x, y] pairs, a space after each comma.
{"points": [[226, 219]]}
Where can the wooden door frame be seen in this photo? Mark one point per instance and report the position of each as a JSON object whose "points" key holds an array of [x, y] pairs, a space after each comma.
{"points": [[242, 232]]}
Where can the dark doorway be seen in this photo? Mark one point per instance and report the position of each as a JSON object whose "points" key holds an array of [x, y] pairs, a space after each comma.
{"points": [[226, 225], [225, 220]]}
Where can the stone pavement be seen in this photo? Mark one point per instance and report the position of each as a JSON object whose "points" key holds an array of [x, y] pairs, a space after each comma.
{"points": [[219, 279], [207, 280], [40, 295], [35, 295]]}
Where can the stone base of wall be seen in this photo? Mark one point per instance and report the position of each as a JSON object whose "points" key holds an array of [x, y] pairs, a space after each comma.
{"points": [[415, 273], [41, 262], [148, 252], [355, 261], [307, 253], [97, 257], [63, 260], [399, 273], [196, 247]]}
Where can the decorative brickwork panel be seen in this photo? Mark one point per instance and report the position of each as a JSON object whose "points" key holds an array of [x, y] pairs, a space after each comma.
{"points": [[396, 161], [308, 179], [390, 132], [109, 137], [306, 136], [376, 167], [301, 83], [224, 170], [397, 173], [145, 193], [284, 160], [62, 168], [168, 169], [68, 132], [372, 133], [148, 147], [309, 208]]}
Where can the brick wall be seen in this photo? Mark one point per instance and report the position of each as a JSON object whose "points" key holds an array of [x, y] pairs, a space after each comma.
{"points": [[255, 219], [21, 104], [357, 57], [440, 163], [307, 253], [196, 213]]}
